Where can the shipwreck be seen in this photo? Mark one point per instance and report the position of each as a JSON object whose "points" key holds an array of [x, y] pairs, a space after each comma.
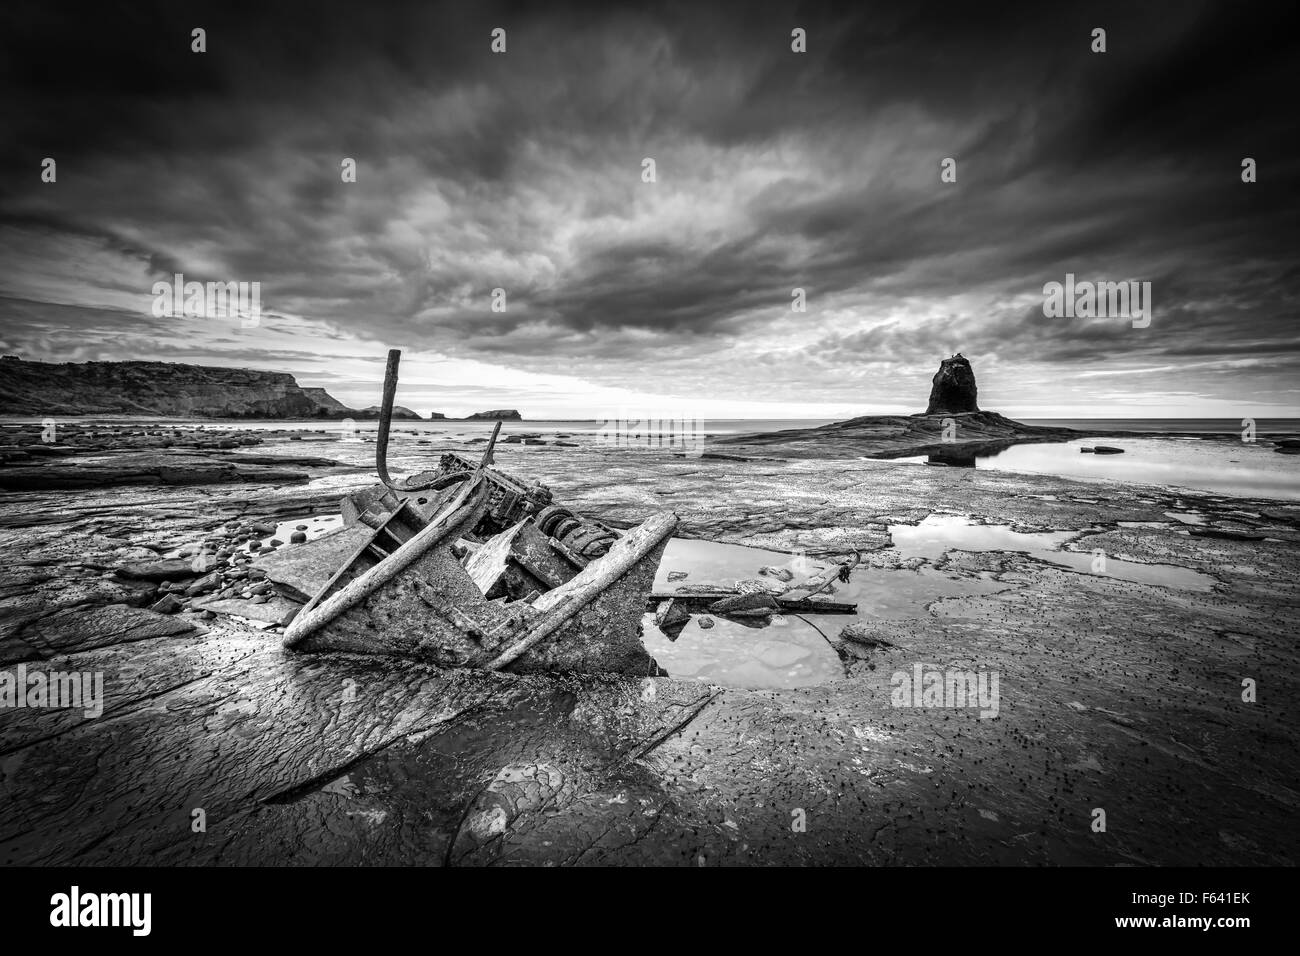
{"points": [[467, 566]]}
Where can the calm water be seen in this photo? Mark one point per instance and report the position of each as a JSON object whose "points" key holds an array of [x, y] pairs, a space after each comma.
{"points": [[1221, 466], [793, 650], [938, 534], [1225, 467]]}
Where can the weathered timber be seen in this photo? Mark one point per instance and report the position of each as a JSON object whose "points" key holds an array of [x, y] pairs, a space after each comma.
{"points": [[457, 513], [702, 599], [562, 603]]}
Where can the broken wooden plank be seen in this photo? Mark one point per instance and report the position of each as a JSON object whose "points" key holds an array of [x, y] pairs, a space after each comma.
{"points": [[468, 502], [701, 599]]}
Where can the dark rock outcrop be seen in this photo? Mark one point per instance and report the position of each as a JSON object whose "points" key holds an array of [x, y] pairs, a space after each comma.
{"points": [[953, 390], [499, 414], [400, 413]]}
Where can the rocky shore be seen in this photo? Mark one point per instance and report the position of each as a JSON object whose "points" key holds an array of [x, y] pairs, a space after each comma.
{"points": [[75, 454], [1115, 693]]}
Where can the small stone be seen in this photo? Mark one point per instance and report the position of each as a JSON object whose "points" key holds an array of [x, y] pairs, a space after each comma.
{"points": [[204, 584], [671, 616], [167, 605], [706, 622], [298, 537], [861, 634]]}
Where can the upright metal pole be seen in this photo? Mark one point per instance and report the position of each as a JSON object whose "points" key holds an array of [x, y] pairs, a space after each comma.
{"points": [[386, 418]]}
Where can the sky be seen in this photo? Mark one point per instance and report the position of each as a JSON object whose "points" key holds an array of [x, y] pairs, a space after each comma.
{"points": [[774, 170]]}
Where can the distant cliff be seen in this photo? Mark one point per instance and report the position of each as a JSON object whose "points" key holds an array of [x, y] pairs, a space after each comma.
{"points": [[165, 388], [499, 414]]}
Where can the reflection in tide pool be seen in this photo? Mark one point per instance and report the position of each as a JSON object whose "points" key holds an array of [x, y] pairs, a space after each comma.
{"points": [[1248, 469], [938, 534], [783, 651], [788, 652], [793, 650]]}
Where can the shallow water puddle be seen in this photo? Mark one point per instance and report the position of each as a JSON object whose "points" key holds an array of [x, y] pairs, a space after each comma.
{"points": [[898, 594], [782, 651], [790, 650], [712, 563], [938, 534], [787, 652]]}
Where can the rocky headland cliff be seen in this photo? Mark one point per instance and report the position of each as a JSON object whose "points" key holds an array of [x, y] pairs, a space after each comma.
{"points": [[168, 389], [180, 391]]}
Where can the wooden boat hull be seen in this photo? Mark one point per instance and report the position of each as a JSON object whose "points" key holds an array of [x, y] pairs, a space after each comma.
{"points": [[435, 612], [535, 588]]}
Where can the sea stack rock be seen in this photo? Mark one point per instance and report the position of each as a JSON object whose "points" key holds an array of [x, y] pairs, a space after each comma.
{"points": [[954, 389]]}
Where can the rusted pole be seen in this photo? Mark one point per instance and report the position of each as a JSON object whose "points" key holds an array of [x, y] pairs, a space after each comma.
{"points": [[385, 423], [386, 418]]}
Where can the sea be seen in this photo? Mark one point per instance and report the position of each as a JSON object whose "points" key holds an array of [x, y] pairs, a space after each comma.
{"points": [[1198, 454]]}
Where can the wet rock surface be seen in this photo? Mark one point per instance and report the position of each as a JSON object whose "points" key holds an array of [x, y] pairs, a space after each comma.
{"points": [[1113, 693], [74, 455]]}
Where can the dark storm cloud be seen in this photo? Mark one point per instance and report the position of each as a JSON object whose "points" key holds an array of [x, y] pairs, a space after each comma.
{"points": [[776, 171]]}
